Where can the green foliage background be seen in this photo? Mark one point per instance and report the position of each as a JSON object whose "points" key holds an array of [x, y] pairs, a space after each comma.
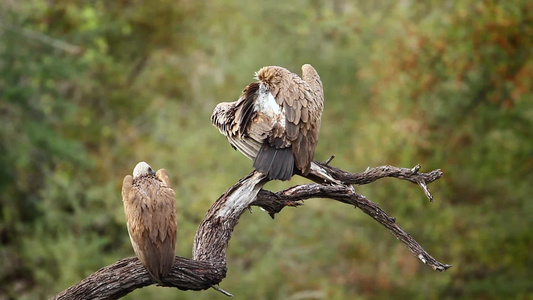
{"points": [[89, 88]]}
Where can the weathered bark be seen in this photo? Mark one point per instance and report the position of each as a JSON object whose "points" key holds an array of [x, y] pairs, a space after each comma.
{"points": [[208, 266], [128, 274], [214, 233]]}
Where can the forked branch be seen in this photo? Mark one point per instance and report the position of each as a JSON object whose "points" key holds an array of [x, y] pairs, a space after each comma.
{"points": [[274, 202], [208, 266]]}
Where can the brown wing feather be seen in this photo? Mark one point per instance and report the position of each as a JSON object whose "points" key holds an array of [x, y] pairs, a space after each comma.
{"points": [[163, 176], [166, 222], [244, 128], [149, 205], [133, 210], [126, 186], [312, 100], [303, 105], [245, 111]]}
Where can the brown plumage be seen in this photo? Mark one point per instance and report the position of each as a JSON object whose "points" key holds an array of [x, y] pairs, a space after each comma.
{"points": [[149, 205], [276, 121]]}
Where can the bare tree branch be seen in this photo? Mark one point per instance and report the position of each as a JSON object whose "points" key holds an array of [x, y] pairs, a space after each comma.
{"points": [[214, 233], [371, 175], [275, 202], [208, 266], [128, 274]]}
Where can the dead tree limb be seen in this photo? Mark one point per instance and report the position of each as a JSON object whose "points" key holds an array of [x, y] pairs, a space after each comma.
{"points": [[208, 266], [275, 202], [128, 274]]}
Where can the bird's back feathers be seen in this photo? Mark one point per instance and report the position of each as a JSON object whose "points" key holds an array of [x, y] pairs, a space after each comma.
{"points": [[149, 205]]}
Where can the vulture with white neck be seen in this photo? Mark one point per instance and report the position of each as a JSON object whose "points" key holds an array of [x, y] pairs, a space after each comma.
{"points": [[149, 205]]}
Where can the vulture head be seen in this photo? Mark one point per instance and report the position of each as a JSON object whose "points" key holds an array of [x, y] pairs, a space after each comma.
{"points": [[142, 169]]}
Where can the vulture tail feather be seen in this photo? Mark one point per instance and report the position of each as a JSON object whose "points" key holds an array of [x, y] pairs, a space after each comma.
{"points": [[275, 163]]}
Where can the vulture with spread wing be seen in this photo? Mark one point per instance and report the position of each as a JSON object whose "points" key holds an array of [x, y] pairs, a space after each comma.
{"points": [[149, 205], [276, 120]]}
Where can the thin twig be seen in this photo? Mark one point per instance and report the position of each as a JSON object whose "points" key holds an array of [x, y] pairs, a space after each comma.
{"points": [[329, 159], [222, 291], [372, 174]]}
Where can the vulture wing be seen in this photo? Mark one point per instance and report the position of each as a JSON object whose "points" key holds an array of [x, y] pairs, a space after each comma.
{"points": [[149, 205], [301, 109]]}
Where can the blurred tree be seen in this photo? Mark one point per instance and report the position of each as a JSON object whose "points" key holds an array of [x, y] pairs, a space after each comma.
{"points": [[456, 86], [68, 84], [89, 88]]}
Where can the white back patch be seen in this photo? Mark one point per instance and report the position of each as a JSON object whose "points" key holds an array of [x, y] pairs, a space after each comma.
{"points": [[266, 104]]}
